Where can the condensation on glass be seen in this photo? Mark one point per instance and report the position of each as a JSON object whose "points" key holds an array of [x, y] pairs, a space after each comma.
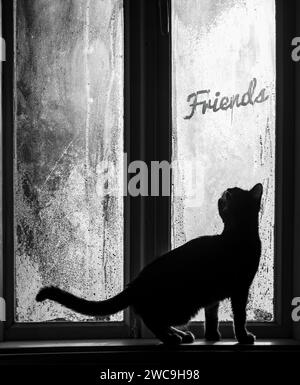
{"points": [[68, 130], [221, 49]]}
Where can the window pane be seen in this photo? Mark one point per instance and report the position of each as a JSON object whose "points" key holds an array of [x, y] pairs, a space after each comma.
{"points": [[69, 152], [223, 49]]}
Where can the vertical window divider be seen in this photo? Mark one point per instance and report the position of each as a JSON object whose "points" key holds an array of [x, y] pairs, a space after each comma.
{"points": [[155, 127]]}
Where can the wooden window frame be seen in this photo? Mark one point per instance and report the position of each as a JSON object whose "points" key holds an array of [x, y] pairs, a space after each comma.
{"points": [[147, 124], [281, 327]]}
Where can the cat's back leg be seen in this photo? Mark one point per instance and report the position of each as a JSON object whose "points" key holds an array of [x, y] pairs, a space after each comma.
{"points": [[212, 332], [187, 336], [164, 333]]}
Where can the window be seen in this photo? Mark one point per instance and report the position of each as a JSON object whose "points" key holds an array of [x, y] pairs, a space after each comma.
{"points": [[224, 98], [86, 82], [67, 214], [68, 128]]}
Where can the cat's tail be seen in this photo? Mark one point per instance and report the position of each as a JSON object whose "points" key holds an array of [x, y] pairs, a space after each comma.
{"points": [[83, 306]]}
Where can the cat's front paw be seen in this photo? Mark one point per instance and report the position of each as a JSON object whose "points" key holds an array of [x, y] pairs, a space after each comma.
{"points": [[247, 338]]}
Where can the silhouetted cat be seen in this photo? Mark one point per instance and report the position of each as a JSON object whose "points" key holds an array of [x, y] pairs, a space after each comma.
{"points": [[171, 290]]}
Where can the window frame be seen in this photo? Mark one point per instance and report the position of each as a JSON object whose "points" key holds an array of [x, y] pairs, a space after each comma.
{"points": [[281, 327], [147, 124], [68, 330]]}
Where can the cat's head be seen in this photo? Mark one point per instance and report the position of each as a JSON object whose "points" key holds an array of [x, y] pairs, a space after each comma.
{"points": [[240, 206]]}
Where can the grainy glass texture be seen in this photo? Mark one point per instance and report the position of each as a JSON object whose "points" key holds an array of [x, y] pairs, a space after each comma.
{"points": [[225, 48], [69, 152]]}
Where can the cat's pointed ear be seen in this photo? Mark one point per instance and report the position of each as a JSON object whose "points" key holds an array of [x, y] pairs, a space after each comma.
{"points": [[257, 191]]}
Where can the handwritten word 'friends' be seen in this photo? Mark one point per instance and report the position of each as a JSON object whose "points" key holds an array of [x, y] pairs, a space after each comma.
{"points": [[225, 103]]}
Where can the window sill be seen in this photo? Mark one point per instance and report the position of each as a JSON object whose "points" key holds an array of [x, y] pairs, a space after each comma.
{"points": [[138, 345], [87, 360]]}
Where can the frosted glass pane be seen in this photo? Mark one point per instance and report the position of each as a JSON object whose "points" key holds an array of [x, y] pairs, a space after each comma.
{"points": [[69, 126], [221, 49]]}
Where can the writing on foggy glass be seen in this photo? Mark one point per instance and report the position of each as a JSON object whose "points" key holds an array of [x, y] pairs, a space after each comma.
{"points": [[250, 97]]}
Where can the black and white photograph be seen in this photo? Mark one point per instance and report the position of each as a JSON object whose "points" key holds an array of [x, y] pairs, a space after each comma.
{"points": [[150, 185]]}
